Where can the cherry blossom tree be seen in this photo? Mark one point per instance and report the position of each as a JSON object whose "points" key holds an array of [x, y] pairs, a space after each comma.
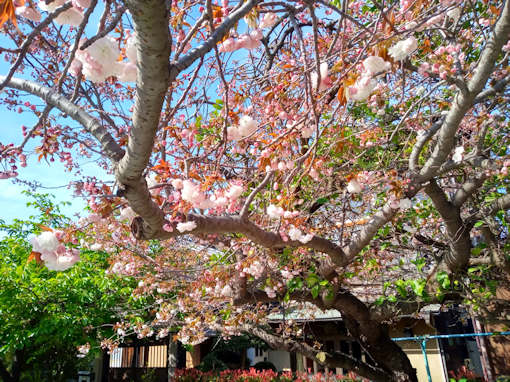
{"points": [[350, 155]]}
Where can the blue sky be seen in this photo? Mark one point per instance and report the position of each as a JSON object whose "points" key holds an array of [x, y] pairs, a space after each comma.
{"points": [[12, 201], [53, 177]]}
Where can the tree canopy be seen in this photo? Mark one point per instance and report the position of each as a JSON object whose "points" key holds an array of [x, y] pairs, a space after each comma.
{"points": [[351, 155], [48, 320]]}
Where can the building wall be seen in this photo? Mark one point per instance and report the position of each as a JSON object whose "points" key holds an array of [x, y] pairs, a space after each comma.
{"points": [[412, 327], [279, 358], [499, 346]]}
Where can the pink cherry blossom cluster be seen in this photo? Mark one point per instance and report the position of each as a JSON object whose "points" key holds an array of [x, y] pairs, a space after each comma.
{"points": [[246, 127], [8, 174], [402, 49], [256, 269], [100, 61], [325, 82], [365, 85], [73, 16], [452, 53], [295, 234], [277, 212], [55, 255], [191, 192], [246, 40]]}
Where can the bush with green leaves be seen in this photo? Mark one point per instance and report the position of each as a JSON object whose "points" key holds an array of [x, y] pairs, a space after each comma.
{"points": [[45, 315]]}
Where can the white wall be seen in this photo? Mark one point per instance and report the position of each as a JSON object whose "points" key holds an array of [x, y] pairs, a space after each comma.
{"points": [[279, 358]]}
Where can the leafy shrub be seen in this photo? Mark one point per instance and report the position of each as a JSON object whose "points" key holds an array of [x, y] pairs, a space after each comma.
{"points": [[253, 375]]}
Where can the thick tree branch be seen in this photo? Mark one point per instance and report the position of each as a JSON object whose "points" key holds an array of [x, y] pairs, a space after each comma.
{"points": [[464, 101], [458, 232], [108, 145], [370, 333], [373, 335], [498, 87], [236, 224], [421, 141], [153, 51], [467, 189], [154, 74], [366, 235]]}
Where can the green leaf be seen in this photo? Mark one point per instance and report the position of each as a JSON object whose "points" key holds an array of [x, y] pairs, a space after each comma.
{"points": [[400, 285], [443, 279], [315, 291], [312, 279], [418, 286]]}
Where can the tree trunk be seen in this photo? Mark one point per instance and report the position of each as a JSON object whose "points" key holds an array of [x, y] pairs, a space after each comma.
{"points": [[374, 337], [17, 366]]}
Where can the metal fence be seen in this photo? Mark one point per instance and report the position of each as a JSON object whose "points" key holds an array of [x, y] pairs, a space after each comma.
{"points": [[422, 340]]}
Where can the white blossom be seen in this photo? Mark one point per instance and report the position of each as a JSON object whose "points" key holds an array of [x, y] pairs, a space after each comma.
{"points": [[127, 72], [227, 291], [268, 20], [403, 49], [234, 192], [45, 242], [188, 226], [375, 64], [454, 14], [405, 204], [275, 212], [29, 13], [191, 193], [72, 17], [362, 89], [99, 60], [354, 187], [458, 154], [295, 234], [51, 6], [177, 183], [247, 125]]}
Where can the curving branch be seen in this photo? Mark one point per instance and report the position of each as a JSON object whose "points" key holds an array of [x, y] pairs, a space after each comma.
{"points": [[366, 235], [458, 232], [362, 325], [108, 145], [467, 189], [421, 141], [154, 74], [240, 225], [465, 100]]}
